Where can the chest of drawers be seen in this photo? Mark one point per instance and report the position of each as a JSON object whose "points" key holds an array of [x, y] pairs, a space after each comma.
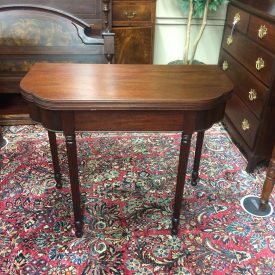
{"points": [[248, 58]]}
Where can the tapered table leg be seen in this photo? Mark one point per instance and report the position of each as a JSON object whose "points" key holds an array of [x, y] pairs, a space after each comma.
{"points": [[73, 170], [183, 160], [55, 159], [197, 158], [269, 182]]}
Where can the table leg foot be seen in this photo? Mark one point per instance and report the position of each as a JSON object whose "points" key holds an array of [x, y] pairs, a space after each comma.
{"points": [[263, 205], [175, 226], [78, 229], [194, 178], [57, 177]]}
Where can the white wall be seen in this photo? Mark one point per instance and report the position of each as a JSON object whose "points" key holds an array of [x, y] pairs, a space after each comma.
{"points": [[170, 32]]}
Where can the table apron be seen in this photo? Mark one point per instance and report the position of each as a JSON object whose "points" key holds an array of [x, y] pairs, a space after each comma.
{"points": [[188, 121]]}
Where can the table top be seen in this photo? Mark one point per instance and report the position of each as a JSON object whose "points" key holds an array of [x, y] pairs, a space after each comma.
{"points": [[70, 86]]}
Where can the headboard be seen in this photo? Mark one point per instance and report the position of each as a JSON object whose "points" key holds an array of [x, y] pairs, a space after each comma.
{"points": [[61, 32]]}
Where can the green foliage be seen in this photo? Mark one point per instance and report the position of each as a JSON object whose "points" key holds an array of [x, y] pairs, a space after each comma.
{"points": [[199, 6]]}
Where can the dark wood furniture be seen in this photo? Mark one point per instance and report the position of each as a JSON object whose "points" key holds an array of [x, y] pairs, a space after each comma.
{"points": [[133, 25], [48, 31], [2, 140], [79, 97], [248, 58], [269, 182]]}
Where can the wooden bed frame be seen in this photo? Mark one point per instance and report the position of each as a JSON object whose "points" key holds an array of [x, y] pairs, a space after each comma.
{"points": [[32, 33]]}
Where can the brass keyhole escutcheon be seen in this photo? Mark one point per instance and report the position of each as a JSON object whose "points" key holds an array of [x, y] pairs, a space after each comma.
{"points": [[245, 125], [225, 65], [262, 32], [260, 64], [252, 94]]}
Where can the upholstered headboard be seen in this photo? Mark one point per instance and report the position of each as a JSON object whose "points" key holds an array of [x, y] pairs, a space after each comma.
{"points": [[32, 33]]}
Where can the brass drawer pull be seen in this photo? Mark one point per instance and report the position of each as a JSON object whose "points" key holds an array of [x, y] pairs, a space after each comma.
{"points": [[229, 40], [245, 125], [130, 15], [262, 32], [237, 18], [252, 95], [259, 64], [225, 65]]}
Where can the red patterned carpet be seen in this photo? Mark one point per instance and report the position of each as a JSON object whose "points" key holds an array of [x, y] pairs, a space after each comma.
{"points": [[128, 183]]}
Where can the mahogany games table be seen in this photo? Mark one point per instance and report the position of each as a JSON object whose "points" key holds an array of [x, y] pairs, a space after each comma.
{"points": [[97, 97]]}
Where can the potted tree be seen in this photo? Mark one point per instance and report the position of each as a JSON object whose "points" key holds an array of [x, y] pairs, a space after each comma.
{"points": [[196, 9]]}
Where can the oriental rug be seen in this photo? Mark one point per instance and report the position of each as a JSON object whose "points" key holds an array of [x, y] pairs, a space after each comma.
{"points": [[127, 190]]}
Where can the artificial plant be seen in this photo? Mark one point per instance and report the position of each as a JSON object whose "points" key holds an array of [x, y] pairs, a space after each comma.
{"points": [[197, 9]]}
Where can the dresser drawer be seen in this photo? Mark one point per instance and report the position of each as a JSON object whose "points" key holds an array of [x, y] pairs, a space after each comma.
{"points": [[244, 120], [131, 13], [246, 86], [242, 17], [254, 57], [262, 32]]}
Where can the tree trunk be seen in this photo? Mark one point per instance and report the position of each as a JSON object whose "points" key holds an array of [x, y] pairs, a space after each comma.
{"points": [[187, 36], [203, 25]]}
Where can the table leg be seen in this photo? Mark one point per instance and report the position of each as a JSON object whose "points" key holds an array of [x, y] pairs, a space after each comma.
{"points": [[73, 170], [269, 182], [54, 153], [183, 160], [197, 158]]}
